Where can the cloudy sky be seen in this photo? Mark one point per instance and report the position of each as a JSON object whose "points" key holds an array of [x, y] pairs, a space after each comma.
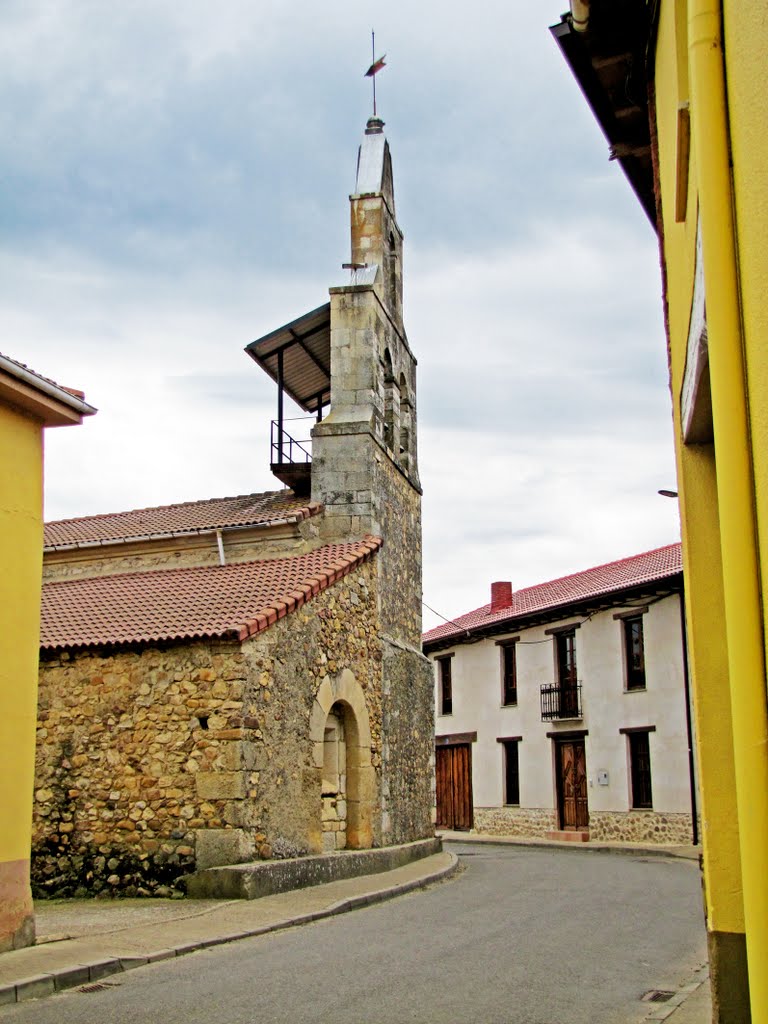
{"points": [[174, 184]]}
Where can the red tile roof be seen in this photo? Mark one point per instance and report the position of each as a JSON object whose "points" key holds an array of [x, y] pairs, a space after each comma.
{"points": [[234, 601], [188, 517], [603, 580]]}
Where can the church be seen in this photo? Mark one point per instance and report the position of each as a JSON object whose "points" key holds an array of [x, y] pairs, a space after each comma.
{"points": [[242, 678]]}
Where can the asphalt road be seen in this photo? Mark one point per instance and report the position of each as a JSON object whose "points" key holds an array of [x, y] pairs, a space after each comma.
{"points": [[522, 936]]}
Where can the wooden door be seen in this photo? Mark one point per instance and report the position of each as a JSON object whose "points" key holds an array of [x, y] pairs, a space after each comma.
{"points": [[572, 785], [453, 771]]}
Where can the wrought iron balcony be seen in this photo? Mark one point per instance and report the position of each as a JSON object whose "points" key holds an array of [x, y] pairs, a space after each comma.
{"points": [[560, 702]]}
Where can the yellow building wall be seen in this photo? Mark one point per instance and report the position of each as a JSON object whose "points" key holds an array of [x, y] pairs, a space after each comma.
{"points": [[724, 574], [698, 505], [746, 35], [21, 530]]}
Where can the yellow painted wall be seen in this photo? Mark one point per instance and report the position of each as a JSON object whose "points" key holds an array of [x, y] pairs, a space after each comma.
{"points": [[746, 35], [697, 483], [21, 506], [713, 54]]}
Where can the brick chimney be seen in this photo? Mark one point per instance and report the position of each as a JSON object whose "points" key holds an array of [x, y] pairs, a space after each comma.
{"points": [[501, 596]]}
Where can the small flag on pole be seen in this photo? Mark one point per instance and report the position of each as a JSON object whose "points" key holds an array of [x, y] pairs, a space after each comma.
{"points": [[376, 67]]}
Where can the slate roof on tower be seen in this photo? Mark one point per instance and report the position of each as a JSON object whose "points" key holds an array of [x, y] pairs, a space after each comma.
{"points": [[561, 596], [225, 601], [189, 517]]}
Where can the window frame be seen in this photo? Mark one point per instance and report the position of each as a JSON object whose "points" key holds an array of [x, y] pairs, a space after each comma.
{"points": [[639, 769], [560, 635], [507, 654], [510, 768], [635, 680], [566, 665], [444, 676]]}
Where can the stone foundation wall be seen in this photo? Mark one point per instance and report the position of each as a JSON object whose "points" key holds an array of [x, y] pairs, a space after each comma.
{"points": [[531, 822], [605, 826], [641, 827]]}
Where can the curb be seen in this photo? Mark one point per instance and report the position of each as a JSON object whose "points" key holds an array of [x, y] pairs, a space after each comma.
{"points": [[550, 844], [48, 984], [678, 999]]}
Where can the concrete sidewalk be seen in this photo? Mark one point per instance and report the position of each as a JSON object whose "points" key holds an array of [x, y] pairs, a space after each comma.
{"points": [[691, 1004], [82, 941]]}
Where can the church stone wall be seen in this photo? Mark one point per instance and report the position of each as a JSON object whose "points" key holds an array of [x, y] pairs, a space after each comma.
{"points": [[120, 743], [408, 748], [152, 760]]}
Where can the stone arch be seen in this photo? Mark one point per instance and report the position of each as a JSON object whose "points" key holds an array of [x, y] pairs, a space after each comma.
{"points": [[390, 412], [405, 422], [343, 698], [391, 265]]}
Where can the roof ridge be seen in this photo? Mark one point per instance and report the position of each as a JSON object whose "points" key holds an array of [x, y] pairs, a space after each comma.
{"points": [[592, 568], [172, 505]]}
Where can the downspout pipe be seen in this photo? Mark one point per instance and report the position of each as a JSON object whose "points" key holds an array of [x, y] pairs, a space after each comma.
{"points": [[735, 479], [689, 725]]}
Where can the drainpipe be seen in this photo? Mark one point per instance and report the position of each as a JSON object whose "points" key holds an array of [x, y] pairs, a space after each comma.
{"points": [[735, 482], [689, 725], [220, 546]]}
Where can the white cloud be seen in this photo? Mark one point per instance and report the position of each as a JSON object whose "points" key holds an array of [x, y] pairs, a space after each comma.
{"points": [[177, 179]]}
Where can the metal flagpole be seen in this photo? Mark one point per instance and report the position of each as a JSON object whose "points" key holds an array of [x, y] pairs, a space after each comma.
{"points": [[373, 61]]}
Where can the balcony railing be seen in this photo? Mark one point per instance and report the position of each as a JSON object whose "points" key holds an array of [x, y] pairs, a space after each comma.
{"points": [[291, 460], [286, 448], [559, 702]]}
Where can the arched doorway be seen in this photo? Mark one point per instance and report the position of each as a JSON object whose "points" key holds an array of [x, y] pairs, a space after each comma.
{"points": [[334, 781], [341, 736]]}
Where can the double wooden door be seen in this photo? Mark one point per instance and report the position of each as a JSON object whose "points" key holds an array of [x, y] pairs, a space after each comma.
{"points": [[453, 771], [573, 806]]}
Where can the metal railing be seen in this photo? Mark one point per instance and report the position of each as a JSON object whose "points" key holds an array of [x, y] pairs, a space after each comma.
{"points": [[558, 702], [286, 448]]}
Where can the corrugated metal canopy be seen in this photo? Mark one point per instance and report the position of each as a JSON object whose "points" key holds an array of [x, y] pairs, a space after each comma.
{"points": [[306, 347]]}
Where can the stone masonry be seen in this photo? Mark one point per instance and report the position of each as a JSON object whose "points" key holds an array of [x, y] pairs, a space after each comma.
{"points": [[149, 756]]}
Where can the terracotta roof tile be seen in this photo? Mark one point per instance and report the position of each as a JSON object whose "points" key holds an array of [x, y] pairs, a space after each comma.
{"points": [[176, 604], [185, 518], [613, 577]]}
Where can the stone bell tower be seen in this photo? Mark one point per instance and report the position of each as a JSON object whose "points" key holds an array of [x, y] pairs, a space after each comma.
{"points": [[364, 458], [350, 360]]}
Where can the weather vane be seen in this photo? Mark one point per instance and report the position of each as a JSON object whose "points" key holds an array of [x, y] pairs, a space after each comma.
{"points": [[374, 68]]}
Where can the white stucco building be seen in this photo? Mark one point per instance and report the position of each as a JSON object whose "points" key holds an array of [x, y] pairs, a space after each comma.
{"points": [[561, 710]]}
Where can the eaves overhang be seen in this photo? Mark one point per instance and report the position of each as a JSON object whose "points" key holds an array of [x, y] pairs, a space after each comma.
{"points": [[37, 396], [608, 59]]}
